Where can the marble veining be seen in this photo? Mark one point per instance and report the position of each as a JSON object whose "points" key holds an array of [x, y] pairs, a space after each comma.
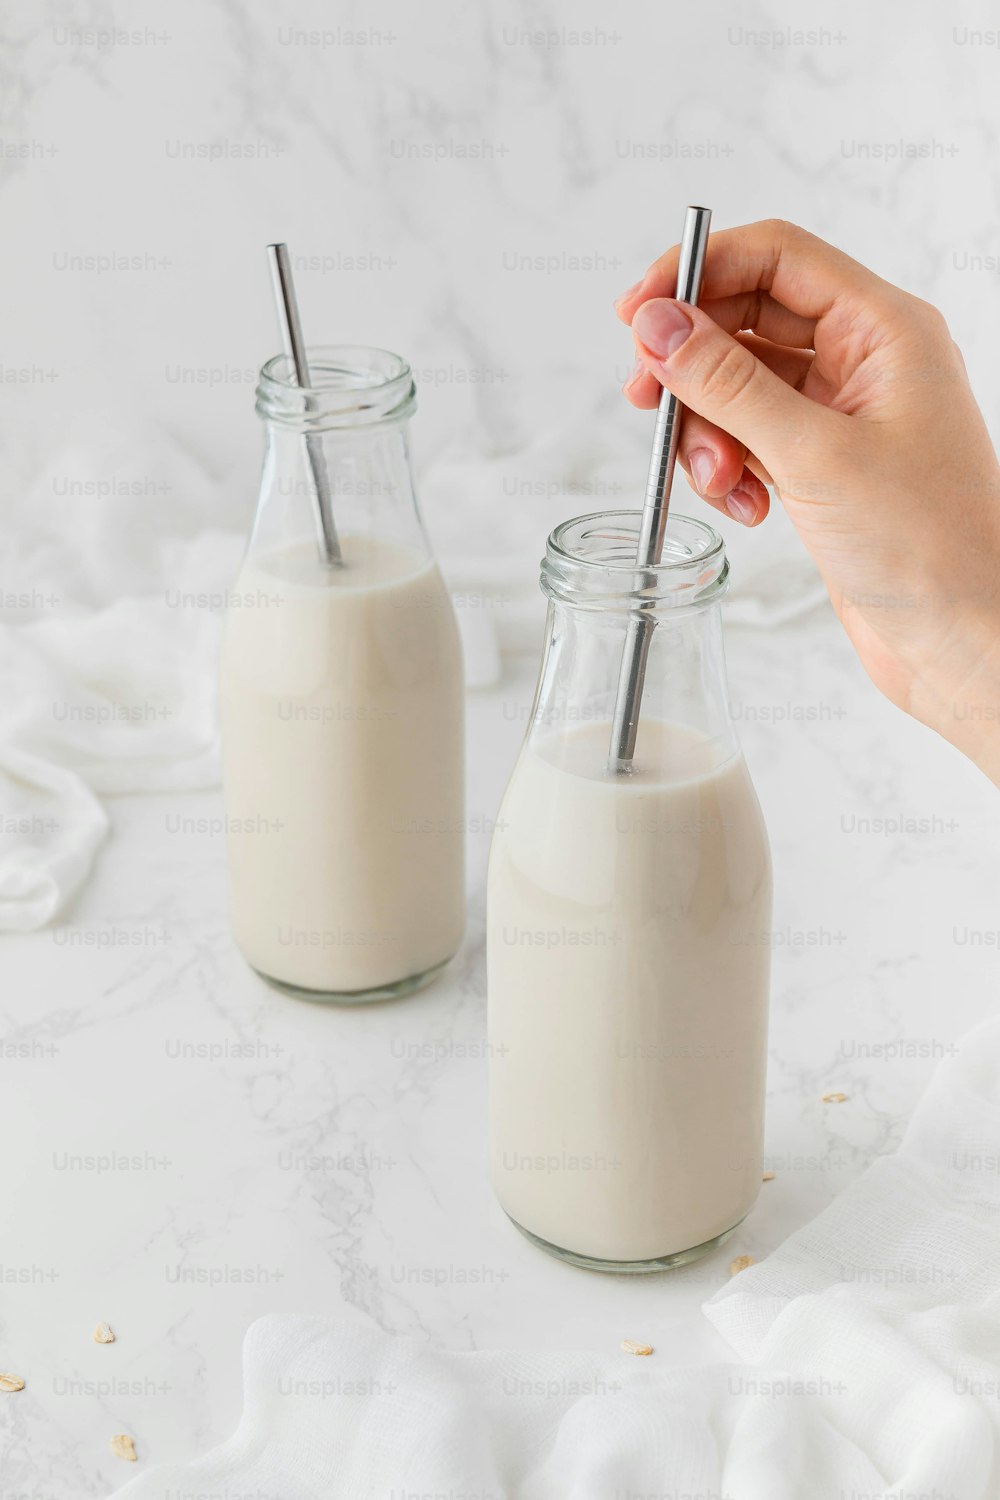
{"points": [[187, 1149]]}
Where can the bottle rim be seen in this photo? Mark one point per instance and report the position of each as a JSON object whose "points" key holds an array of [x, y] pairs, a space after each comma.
{"points": [[590, 562], [350, 385]]}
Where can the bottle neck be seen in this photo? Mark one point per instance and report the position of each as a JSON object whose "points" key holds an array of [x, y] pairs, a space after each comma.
{"points": [[368, 479], [595, 590], [346, 432]]}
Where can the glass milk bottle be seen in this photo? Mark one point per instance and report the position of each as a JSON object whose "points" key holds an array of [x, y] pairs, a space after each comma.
{"points": [[628, 923], [342, 701]]}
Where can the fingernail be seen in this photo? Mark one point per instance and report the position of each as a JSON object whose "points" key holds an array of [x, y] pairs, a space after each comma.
{"points": [[637, 369], [741, 507], [662, 326], [702, 462], [630, 293]]}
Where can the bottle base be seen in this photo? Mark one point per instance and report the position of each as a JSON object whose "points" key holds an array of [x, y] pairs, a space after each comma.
{"points": [[394, 991], [629, 1267]]}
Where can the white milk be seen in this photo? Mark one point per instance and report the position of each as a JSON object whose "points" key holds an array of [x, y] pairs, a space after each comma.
{"points": [[628, 958], [342, 726]]}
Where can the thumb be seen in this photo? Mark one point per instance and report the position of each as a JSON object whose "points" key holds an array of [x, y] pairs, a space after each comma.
{"points": [[718, 377]]}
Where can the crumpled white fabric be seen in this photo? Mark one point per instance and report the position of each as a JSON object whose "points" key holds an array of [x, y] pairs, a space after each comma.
{"points": [[108, 653], [894, 1294], [870, 1367]]}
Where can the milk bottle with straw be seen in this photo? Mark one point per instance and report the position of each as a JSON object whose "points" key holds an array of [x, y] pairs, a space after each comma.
{"points": [[341, 691]]}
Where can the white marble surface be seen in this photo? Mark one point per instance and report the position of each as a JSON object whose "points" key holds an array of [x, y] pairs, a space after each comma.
{"points": [[426, 170], [291, 1157]]}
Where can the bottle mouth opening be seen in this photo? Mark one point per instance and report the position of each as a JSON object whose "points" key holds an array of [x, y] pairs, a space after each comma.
{"points": [[350, 385], [590, 561]]}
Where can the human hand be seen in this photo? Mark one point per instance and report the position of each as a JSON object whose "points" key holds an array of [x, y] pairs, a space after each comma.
{"points": [[803, 370]]}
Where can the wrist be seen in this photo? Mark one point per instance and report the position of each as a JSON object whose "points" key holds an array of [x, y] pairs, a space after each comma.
{"points": [[959, 694]]}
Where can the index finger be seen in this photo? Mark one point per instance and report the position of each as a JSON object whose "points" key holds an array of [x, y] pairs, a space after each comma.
{"points": [[800, 271]]}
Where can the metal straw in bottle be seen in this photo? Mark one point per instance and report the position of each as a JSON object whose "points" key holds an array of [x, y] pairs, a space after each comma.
{"points": [[653, 525], [291, 332]]}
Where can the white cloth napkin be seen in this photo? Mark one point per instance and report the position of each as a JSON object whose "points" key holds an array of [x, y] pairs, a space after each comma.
{"points": [[108, 652], [893, 1295], [872, 1348]]}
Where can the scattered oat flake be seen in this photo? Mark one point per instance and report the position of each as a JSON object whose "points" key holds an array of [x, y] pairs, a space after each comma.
{"points": [[122, 1446], [833, 1096], [629, 1346], [767, 1177], [11, 1383], [104, 1334], [740, 1264]]}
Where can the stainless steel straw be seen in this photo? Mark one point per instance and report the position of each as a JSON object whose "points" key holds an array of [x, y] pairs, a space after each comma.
{"points": [[656, 505], [291, 333]]}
